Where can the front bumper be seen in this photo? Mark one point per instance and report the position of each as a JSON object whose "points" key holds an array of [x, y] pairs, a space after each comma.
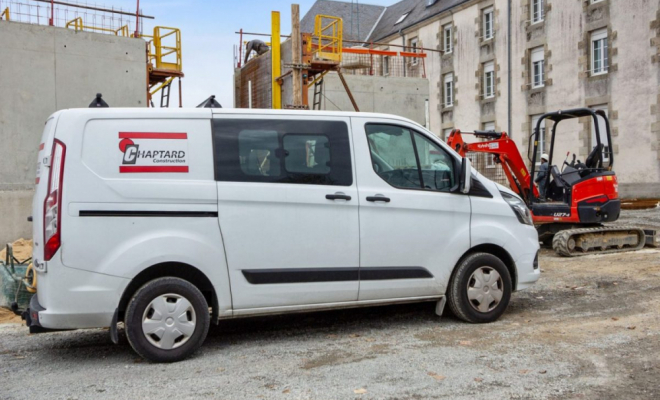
{"points": [[528, 270]]}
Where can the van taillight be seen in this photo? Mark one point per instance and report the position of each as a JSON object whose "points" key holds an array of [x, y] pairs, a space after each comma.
{"points": [[53, 202]]}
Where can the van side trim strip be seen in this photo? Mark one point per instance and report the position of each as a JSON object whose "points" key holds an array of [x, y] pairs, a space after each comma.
{"points": [[130, 213], [307, 275]]}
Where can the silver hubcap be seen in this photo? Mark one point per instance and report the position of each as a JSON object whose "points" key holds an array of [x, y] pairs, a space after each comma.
{"points": [[169, 321], [485, 289]]}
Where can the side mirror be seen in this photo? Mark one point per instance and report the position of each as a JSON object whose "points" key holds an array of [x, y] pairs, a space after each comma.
{"points": [[466, 176]]}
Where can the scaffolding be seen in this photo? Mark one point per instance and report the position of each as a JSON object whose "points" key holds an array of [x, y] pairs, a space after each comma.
{"points": [[324, 51], [164, 63]]}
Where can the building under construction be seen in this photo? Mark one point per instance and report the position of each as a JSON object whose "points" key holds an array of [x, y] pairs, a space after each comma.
{"points": [[58, 55], [338, 71]]}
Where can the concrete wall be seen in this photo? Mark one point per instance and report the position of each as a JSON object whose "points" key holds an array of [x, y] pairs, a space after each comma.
{"points": [[45, 69], [405, 97], [629, 91]]}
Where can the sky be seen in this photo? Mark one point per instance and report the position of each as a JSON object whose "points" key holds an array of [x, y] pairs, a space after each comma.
{"points": [[208, 38]]}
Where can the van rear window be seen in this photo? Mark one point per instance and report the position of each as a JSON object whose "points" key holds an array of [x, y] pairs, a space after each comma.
{"points": [[282, 151]]}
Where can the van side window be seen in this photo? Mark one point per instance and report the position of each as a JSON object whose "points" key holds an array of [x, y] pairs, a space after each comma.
{"points": [[256, 151], [393, 155], [307, 154], [436, 164], [408, 160], [282, 151]]}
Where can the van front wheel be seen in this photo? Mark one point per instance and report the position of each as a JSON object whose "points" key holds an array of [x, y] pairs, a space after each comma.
{"points": [[480, 288], [167, 320]]}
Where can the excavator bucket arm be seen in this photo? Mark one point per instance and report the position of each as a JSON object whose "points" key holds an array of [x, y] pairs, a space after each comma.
{"points": [[505, 151]]}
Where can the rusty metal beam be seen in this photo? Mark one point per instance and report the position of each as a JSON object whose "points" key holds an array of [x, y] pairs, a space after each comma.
{"points": [[348, 90], [108, 10]]}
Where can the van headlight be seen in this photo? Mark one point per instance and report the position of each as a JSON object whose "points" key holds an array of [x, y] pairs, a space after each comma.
{"points": [[519, 208]]}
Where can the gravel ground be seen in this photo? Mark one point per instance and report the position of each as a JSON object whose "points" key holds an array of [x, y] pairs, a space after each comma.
{"points": [[590, 329]]}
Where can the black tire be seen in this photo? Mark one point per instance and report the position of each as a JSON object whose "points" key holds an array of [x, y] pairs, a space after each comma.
{"points": [[457, 292], [143, 298]]}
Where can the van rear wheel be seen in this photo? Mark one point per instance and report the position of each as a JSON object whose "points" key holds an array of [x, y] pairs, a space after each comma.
{"points": [[480, 289], [167, 320]]}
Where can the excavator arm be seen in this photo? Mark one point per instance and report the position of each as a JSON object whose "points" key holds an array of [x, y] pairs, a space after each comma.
{"points": [[505, 152]]}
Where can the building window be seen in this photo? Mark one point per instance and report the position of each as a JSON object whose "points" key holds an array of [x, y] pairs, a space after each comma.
{"points": [[446, 133], [595, 1], [537, 11], [413, 44], [541, 147], [490, 158], [449, 40], [599, 61], [386, 65], [401, 18], [449, 90], [487, 18], [489, 80], [602, 129], [538, 67]]}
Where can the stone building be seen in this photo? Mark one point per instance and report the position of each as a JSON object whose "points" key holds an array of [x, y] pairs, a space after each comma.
{"points": [[501, 64]]}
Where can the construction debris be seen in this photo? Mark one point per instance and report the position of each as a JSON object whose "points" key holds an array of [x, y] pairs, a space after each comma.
{"points": [[639, 204]]}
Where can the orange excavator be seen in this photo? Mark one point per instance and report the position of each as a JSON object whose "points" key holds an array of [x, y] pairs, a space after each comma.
{"points": [[578, 199]]}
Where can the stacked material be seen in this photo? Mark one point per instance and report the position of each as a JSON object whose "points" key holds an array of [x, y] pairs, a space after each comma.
{"points": [[22, 250]]}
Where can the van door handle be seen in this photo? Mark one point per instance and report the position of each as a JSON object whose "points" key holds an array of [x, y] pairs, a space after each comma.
{"points": [[378, 198], [337, 197]]}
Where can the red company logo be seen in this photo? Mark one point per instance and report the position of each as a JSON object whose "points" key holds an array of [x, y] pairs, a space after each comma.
{"points": [[159, 149]]}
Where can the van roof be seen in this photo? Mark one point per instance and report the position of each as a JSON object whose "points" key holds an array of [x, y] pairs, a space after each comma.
{"points": [[207, 112]]}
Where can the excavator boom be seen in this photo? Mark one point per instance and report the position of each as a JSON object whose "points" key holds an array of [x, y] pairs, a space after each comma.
{"points": [[505, 152]]}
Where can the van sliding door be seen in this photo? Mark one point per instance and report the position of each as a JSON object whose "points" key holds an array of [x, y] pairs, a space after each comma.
{"points": [[288, 210]]}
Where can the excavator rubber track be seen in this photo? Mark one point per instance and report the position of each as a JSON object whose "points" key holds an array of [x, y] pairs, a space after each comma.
{"points": [[598, 240]]}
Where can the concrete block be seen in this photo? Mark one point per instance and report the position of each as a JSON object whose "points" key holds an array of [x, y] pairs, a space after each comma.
{"points": [[15, 207]]}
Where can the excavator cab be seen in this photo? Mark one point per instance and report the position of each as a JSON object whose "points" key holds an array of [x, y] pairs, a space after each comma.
{"points": [[576, 192]]}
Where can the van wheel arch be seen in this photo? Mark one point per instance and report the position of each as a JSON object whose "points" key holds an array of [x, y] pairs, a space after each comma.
{"points": [[171, 269], [498, 252]]}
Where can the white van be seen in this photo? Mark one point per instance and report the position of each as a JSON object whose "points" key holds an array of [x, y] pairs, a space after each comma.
{"points": [[168, 220]]}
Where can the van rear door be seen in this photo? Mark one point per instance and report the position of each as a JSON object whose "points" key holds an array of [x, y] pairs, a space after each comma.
{"points": [[41, 187]]}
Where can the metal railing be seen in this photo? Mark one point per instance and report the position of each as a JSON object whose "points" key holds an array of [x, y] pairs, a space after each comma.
{"points": [[163, 53], [97, 17], [78, 25], [329, 37]]}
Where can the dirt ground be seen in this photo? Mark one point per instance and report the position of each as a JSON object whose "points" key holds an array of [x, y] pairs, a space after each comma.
{"points": [[589, 329], [6, 316]]}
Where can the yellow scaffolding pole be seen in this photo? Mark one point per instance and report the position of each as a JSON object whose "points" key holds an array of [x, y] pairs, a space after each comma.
{"points": [[162, 85], [276, 69], [5, 14]]}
